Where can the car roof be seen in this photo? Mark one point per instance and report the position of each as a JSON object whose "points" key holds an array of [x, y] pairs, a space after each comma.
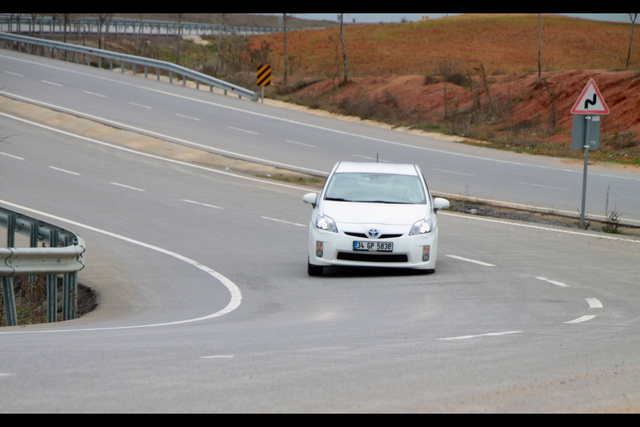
{"points": [[397, 168]]}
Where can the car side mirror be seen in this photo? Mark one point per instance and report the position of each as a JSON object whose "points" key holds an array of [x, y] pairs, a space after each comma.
{"points": [[310, 198], [440, 203]]}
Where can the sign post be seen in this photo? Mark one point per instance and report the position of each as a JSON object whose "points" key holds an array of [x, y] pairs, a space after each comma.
{"points": [[585, 133]]}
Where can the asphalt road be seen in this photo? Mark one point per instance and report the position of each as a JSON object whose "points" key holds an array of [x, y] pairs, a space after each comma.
{"points": [[205, 305], [299, 140]]}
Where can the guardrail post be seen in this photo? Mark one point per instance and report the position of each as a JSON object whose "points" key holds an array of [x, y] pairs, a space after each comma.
{"points": [[9, 301], [7, 282], [34, 234], [11, 231], [52, 285], [69, 292]]}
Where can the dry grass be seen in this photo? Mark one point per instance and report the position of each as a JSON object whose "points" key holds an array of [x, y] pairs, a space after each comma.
{"points": [[503, 43]]}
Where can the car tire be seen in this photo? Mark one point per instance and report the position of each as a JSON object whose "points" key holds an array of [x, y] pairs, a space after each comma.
{"points": [[314, 270]]}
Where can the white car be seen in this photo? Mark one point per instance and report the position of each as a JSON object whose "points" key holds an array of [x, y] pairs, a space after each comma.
{"points": [[373, 215]]}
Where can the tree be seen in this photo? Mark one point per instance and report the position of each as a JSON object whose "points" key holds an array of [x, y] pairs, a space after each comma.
{"points": [[178, 37], [633, 17], [539, 46], [220, 27], [284, 23], [344, 51], [103, 22], [66, 26]]}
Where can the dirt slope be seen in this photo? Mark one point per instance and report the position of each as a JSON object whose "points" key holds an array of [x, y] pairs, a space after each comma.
{"points": [[620, 89]]}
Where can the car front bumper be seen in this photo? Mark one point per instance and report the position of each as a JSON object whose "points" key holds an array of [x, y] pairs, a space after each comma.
{"points": [[337, 249]]}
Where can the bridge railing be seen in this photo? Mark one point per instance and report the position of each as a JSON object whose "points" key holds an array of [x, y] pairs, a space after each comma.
{"points": [[42, 24]]}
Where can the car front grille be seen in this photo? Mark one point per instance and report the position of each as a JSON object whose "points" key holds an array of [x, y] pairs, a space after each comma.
{"points": [[364, 236], [365, 257]]}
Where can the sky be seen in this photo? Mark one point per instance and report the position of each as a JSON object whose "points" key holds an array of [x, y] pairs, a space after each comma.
{"points": [[361, 18]]}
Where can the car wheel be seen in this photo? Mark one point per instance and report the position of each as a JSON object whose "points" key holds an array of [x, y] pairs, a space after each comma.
{"points": [[314, 270]]}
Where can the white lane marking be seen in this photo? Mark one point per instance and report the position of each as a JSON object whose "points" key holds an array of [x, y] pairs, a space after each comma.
{"points": [[202, 204], [582, 319], [64, 170], [594, 303], [99, 95], [5, 374], [14, 74], [370, 158], [457, 173], [219, 356], [188, 117], [234, 302], [490, 334], [553, 282], [283, 221], [543, 186], [126, 186], [475, 261], [140, 105], [301, 143], [243, 130], [51, 83], [12, 156]]}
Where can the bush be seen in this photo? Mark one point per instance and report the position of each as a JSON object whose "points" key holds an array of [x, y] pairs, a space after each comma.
{"points": [[31, 300], [622, 140]]}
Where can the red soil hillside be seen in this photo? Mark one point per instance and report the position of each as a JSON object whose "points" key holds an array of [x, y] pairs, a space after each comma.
{"points": [[393, 59], [620, 89]]}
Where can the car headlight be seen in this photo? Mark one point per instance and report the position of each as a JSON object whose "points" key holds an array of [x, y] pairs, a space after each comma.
{"points": [[326, 223], [423, 226]]}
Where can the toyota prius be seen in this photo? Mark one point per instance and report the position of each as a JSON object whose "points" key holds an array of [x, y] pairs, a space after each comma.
{"points": [[373, 215]]}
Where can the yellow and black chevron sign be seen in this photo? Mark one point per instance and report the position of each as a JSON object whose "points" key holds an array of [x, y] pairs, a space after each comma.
{"points": [[263, 77]]}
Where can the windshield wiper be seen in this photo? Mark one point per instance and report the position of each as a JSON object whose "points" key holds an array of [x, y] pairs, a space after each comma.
{"points": [[384, 201], [337, 199]]}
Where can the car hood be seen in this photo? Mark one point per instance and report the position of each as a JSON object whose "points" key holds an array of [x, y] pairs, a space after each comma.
{"points": [[374, 213]]}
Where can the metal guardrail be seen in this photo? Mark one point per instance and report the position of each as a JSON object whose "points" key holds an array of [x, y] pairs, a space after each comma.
{"points": [[85, 55], [63, 256], [15, 23]]}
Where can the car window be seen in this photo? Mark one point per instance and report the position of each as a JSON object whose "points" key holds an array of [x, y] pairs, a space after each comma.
{"points": [[375, 188]]}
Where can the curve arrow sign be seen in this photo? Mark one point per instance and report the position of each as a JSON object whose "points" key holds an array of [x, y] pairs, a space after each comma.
{"points": [[590, 101]]}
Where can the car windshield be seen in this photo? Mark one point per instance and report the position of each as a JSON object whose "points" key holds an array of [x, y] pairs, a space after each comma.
{"points": [[375, 188]]}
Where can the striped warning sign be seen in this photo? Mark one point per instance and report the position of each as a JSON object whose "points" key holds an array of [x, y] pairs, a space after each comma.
{"points": [[263, 77]]}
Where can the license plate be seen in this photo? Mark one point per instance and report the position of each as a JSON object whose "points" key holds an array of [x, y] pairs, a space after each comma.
{"points": [[372, 246]]}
